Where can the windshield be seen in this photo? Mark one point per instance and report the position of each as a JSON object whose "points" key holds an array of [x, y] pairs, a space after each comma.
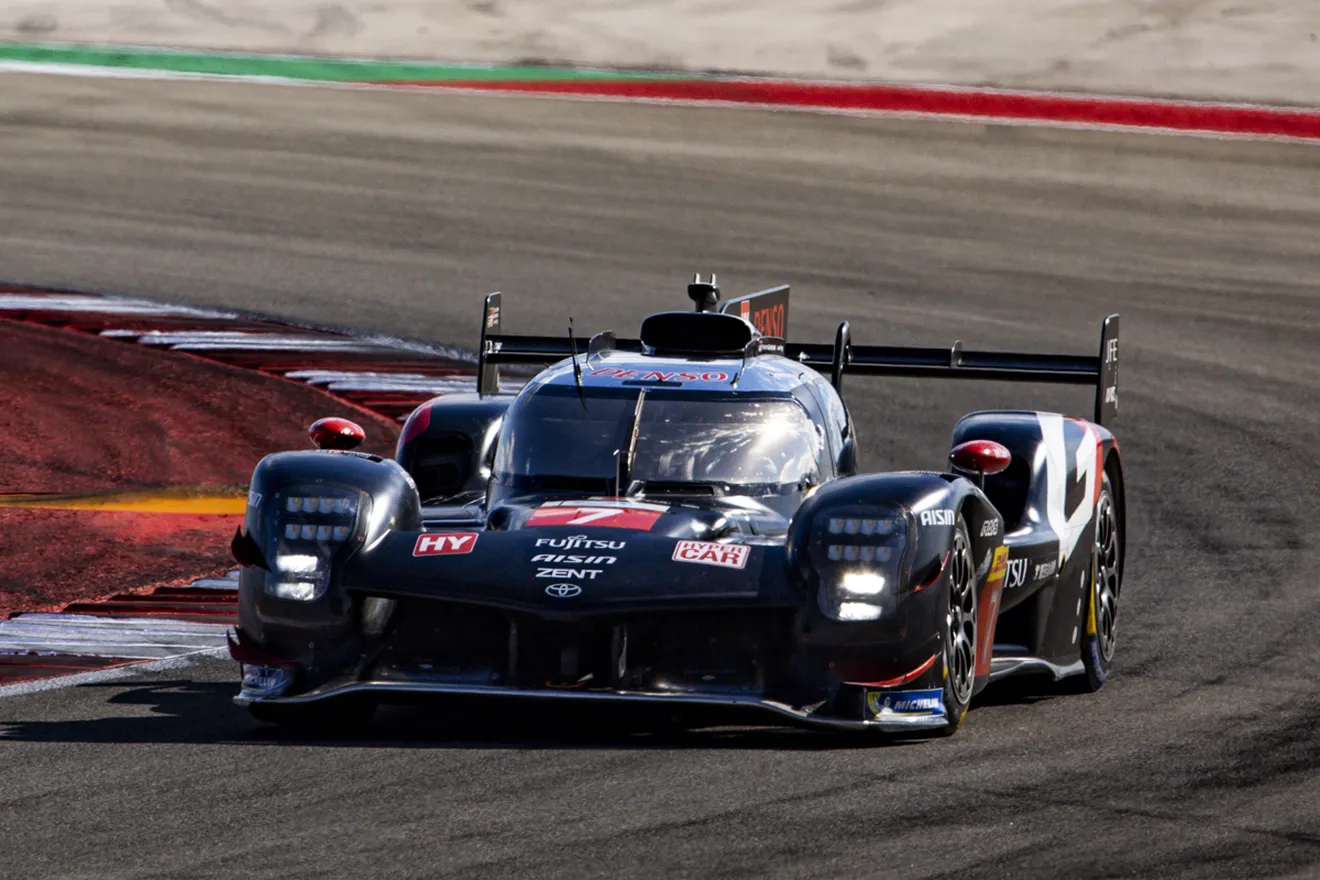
{"points": [[550, 440]]}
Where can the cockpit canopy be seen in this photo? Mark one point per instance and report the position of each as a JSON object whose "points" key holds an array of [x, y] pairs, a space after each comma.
{"points": [[560, 438]]}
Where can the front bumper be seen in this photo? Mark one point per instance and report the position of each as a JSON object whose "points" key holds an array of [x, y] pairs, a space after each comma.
{"points": [[748, 705]]}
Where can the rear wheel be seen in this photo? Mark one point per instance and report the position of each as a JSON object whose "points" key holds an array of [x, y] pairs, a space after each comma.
{"points": [[960, 633], [1102, 599]]}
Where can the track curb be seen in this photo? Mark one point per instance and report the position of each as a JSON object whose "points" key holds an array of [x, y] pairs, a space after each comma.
{"points": [[959, 104]]}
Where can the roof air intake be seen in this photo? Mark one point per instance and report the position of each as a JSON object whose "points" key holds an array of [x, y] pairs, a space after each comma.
{"points": [[696, 333]]}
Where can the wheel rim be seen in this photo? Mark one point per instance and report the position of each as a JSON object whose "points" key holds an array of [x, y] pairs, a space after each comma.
{"points": [[960, 654], [1106, 575]]}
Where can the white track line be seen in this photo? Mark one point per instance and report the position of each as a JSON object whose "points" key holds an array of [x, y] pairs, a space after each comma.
{"points": [[51, 684], [87, 635]]}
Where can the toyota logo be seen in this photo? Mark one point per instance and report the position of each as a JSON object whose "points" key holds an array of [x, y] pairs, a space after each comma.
{"points": [[563, 591]]}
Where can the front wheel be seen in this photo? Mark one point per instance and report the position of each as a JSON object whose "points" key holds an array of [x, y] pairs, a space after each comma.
{"points": [[1102, 601], [960, 631]]}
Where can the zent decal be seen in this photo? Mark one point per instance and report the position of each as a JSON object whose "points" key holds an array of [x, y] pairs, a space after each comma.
{"points": [[445, 543], [582, 574], [709, 553]]}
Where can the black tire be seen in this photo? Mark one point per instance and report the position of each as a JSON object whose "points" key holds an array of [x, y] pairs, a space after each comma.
{"points": [[1100, 611], [960, 630]]}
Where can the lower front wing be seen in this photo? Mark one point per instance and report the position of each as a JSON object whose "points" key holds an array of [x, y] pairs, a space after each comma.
{"points": [[745, 703]]}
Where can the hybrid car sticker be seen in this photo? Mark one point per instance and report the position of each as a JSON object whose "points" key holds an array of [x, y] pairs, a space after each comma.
{"points": [[710, 553]]}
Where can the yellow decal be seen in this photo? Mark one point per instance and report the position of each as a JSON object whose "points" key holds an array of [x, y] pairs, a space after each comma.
{"points": [[998, 568]]}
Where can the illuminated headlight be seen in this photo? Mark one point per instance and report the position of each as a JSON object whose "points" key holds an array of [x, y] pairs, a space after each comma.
{"points": [[862, 584], [340, 505], [858, 555], [302, 577], [326, 517], [309, 526], [859, 611]]}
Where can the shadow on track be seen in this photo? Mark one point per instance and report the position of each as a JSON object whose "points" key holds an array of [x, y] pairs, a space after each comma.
{"points": [[202, 713]]}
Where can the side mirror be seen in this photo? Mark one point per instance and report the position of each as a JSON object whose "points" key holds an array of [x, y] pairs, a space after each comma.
{"points": [[334, 433], [980, 458], [847, 464]]}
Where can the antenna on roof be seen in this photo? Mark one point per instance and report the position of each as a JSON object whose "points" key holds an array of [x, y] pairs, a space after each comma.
{"points": [[706, 294], [577, 368]]}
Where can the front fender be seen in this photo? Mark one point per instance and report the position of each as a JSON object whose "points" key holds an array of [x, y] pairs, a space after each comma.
{"points": [[930, 501], [387, 501]]}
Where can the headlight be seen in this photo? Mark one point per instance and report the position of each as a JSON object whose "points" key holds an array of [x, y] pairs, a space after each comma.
{"points": [[858, 555], [309, 526]]}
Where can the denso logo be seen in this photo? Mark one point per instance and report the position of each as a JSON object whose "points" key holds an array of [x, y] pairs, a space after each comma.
{"points": [[659, 376], [708, 553], [445, 544], [937, 517]]}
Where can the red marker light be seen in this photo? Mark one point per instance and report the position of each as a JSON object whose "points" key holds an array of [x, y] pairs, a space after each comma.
{"points": [[980, 457], [334, 433]]}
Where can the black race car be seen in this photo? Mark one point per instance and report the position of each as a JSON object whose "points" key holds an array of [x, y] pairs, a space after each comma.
{"points": [[680, 522]]}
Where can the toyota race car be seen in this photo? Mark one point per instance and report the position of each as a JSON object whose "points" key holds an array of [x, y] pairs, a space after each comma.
{"points": [[681, 521]]}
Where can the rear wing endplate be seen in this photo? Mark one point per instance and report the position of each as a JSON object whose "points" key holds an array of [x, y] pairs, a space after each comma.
{"points": [[843, 358]]}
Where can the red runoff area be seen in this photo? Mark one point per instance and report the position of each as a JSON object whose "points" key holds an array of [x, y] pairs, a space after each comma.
{"points": [[81, 414]]}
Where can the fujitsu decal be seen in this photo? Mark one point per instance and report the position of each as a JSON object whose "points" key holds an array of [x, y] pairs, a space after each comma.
{"points": [[1069, 525], [1017, 573], [580, 542]]}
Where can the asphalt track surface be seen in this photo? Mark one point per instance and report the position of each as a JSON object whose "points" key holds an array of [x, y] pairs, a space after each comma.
{"points": [[396, 212]]}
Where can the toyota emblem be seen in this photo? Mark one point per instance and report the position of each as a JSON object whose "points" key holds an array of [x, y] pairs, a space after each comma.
{"points": [[563, 591]]}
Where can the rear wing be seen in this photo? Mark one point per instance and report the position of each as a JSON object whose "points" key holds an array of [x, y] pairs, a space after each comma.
{"points": [[837, 359]]}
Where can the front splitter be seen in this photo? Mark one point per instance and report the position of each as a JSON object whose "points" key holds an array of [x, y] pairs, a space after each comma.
{"points": [[780, 711]]}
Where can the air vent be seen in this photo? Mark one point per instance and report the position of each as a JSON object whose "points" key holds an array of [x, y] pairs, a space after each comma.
{"points": [[442, 466], [696, 333]]}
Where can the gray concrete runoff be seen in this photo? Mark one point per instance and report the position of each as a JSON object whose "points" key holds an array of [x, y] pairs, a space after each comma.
{"points": [[396, 213]]}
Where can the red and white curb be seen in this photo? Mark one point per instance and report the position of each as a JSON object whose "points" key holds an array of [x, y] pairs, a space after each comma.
{"points": [[389, 377], [116, 637], [171, 626]]}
